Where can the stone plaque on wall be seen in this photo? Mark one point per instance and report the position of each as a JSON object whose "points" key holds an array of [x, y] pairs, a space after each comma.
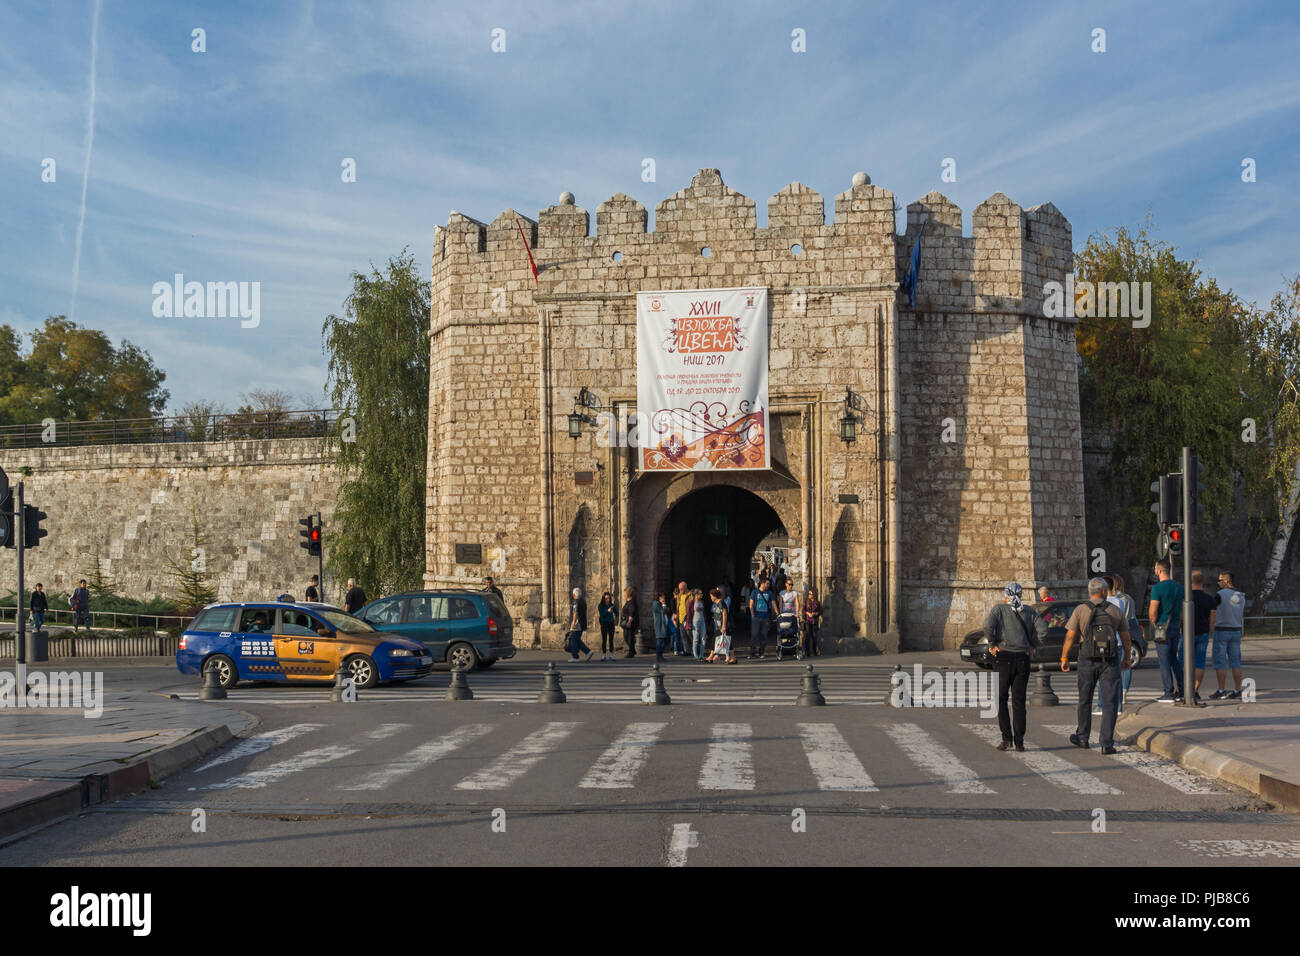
{"points": [[469, 553]]}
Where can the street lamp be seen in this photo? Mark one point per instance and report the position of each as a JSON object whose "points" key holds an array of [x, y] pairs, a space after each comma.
{"points": [[848, 424], [579, 415]]}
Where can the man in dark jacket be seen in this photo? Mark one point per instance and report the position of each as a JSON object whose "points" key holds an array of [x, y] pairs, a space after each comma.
{"points": [[629, 619], [577, 624], [39, 606], [80, 604], [1012, 630], [355, 599]]}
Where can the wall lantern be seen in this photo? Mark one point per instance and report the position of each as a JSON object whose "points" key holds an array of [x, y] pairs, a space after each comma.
{"points": [[848, 424]]}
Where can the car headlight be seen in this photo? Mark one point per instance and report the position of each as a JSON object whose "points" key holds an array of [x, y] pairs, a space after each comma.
{"points": [[401, 652]]}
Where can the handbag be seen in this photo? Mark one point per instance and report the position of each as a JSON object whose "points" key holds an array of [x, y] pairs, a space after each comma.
{"points": [[568, 642], [1162, 634]]}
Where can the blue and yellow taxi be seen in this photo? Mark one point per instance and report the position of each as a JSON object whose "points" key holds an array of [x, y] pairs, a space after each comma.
{"points": [[295, 643]]}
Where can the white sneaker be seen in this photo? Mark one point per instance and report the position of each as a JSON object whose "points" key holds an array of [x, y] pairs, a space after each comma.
{"points": [[574, 660], [589, 653]]}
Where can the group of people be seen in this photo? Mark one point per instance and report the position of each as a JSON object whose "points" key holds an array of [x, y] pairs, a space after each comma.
{"points": [[38, 605], [690, 622], [1104, 627]]}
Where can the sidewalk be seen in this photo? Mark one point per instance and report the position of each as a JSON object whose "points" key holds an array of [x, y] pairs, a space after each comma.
{"points": [[55, 762]]}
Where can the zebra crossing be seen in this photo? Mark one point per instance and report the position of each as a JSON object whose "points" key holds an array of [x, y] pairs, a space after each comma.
{"points": [[492, 757], [769, 683]]}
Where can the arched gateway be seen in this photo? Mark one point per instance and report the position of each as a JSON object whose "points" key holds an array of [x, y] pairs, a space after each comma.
{"points": [[646, 406]]}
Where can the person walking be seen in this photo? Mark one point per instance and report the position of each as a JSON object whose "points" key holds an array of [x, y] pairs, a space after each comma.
{"points": [[490, 585], [761, 612], [1230, 606], [1166, 618], [1013, 630], [40, 606], [629, 621], [682, 623], [1204, 612], [355, 599], [812, 623], [722, 628], [1117, 589], [577, 624], [313, 589], [1103, 653], [608, 615], [80, 604], [659, 611], [700, 625]]}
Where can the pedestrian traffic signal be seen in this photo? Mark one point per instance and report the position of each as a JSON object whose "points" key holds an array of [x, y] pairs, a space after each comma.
{"points": [[6, 522], [311, 535], [32, 530], [1175, 542]]}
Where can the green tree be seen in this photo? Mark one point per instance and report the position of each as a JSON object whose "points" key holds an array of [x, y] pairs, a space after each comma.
{"points": [[190, 570], [1150, 391], [73, 373], [379, 372]]}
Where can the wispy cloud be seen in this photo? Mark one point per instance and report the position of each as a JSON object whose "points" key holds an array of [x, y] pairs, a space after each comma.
{"points": [[90, 149]]}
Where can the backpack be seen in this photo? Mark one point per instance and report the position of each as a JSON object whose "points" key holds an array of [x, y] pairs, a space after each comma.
{"points": [[1100, 638]]}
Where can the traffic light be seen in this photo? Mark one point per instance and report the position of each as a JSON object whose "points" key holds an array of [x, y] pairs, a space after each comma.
{"points": [[32, 530], [1175, 542], [311, 535], [6, 506], [1194, 491]]}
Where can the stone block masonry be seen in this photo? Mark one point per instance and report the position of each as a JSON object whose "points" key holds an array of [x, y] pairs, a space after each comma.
{"points": [[909, 536], [133, 505]]}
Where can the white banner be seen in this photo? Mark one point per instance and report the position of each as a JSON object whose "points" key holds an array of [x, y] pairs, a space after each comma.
{"points": [[701, 366]]}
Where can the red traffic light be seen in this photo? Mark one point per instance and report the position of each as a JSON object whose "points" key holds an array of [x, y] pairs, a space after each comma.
{"points": [[1175, 535], [315, 535]]}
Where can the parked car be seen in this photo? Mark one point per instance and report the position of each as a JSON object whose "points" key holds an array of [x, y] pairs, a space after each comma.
{"points": [[463, 628], [292, 643], [975, 647]]}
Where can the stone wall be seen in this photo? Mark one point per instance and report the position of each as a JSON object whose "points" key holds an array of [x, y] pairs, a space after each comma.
{"points": [[510, 353], [135, 505]]}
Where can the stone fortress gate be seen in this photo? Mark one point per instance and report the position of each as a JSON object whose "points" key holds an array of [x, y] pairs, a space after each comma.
{"points": [[965, 470]]}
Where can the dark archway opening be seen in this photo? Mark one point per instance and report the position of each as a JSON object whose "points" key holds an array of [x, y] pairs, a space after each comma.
{"points": [[709, 537]]}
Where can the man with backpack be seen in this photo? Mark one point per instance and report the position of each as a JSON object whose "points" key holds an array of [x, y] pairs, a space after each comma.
{"points": [[1103, 654], [1013, 630]]}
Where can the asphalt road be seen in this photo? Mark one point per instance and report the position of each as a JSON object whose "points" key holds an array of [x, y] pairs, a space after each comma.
{"points": [[404, 778]]}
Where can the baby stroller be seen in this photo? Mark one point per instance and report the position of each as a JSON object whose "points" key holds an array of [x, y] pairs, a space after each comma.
{"points": [[787, 636]]}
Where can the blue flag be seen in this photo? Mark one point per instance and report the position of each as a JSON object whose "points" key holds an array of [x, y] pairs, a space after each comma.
{"points": [[914, 269]]}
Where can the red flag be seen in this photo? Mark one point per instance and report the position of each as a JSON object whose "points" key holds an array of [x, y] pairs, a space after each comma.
{"points": [[531, 264]]}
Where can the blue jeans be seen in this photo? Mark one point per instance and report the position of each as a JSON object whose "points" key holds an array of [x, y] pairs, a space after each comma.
{"points": [[576, 645], [1103, 676], [700, 644], [1171, 673], [679, 641], [38, 620]]}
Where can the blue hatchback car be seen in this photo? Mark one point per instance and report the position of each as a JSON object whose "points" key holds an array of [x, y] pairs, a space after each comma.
{"points": [[294, 643], [467, 629]]}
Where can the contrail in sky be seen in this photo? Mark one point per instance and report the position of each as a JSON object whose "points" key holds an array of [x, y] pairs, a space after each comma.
{"points": [[90, 146]]}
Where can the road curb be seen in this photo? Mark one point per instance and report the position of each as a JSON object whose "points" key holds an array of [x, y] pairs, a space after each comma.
{"points": [[59, 802], [1256, 778]]}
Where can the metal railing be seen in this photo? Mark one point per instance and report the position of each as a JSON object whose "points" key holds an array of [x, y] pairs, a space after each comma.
{"points": [[1286, 625], [63, 618], [233, 426]]}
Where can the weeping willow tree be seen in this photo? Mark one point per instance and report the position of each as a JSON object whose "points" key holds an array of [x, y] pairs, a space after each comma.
{"points": [[378, 354]]}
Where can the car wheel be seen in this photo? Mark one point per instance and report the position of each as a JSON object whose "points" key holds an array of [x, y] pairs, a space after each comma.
{"points": [[227, 674], [462, 655], [362, 670]]}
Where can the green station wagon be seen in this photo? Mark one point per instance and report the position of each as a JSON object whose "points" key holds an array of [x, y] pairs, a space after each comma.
{"points": [[463, 628]]}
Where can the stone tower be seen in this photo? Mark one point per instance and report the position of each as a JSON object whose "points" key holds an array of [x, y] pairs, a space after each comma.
{"points": [[966, 471]]}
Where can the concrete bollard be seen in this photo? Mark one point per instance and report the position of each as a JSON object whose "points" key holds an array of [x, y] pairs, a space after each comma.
{"points": [[344, 690], [652, 691], [551, 693], [211, 689], [459, 687], [811, 695]]}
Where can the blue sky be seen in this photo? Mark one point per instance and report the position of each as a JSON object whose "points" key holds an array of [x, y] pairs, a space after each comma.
{"points": [[225, 165]]}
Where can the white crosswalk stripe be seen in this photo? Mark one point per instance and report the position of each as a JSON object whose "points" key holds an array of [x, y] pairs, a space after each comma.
{"points": [[832, 760], [935, 758], [257, 744], [729, 763], [618, 766], [517, 761], [1157, 768], [258, 779], [1046, 764], [419, 758], [384, 731]]}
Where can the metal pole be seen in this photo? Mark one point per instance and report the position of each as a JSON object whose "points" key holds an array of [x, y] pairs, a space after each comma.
{"points": [[20, 631], [1189, 618], [320, 562]]}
